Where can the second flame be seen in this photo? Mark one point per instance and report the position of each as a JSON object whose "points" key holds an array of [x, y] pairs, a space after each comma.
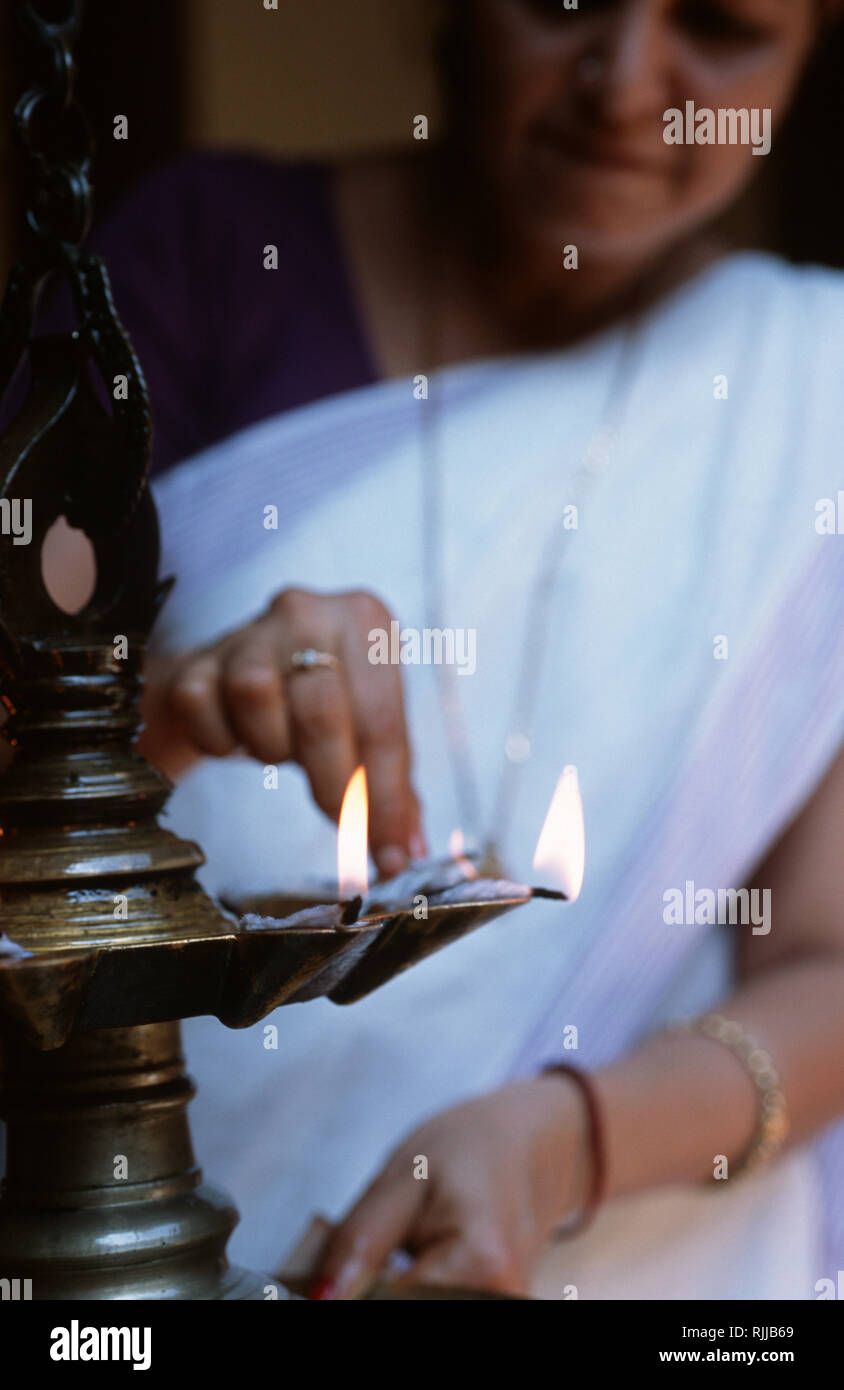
{"points": [[561, 849]]}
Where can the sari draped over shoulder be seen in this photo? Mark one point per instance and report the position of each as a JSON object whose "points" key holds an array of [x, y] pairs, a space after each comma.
{"points": [[693, 672]]}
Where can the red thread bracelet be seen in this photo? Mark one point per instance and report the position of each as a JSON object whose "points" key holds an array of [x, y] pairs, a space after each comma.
{"points": [[597, 1146]]}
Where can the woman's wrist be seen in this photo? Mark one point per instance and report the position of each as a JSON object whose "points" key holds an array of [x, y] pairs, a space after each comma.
{"points": [[581, 1146]]}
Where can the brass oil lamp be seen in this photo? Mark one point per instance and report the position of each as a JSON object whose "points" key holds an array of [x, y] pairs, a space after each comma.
{"points": [[108, 939]]}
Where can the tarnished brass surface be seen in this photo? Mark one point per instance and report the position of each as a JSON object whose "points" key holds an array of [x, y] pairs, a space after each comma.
{"points": [[102, 1197], [84, 861], [97, 891], [388, 942]]}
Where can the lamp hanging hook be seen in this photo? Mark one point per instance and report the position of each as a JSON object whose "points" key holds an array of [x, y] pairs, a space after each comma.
{"points": [[56, 142]]}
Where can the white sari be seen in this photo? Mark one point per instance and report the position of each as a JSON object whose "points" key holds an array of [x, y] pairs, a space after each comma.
{"points": [[702, 527]]}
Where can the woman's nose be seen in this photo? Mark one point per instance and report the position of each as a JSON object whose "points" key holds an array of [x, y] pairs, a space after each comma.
{"points": [[627, 65]]}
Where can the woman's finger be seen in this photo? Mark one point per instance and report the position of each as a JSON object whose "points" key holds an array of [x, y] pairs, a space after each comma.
{"points": [[322, 734], [254, 696], [377, 701], [378, 1224], [195, 699], [472, 1258]]}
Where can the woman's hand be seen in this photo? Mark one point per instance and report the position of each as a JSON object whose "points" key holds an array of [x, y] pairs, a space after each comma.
{"points": [[503, 1172], [240, 693]]}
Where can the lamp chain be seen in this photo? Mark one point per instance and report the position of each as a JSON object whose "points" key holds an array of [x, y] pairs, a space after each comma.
{"points": [[53, 134], [51, 130]]}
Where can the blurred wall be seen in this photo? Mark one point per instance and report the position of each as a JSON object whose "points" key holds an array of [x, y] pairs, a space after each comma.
{"points": [[312, 77]]}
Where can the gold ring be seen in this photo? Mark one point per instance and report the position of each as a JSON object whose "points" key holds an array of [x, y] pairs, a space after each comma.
{"points": [[311, 660]]}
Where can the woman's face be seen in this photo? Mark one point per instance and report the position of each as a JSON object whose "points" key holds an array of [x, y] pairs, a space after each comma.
{"points": [[568, 110]]}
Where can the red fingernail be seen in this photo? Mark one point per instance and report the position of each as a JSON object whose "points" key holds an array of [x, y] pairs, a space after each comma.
{"points": [[322, 1289]]}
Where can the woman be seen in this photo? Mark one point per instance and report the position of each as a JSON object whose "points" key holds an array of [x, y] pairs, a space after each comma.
{"points": [[672, 409]]}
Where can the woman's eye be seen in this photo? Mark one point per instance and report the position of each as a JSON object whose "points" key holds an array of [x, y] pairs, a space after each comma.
{"points": [[717, 23]]}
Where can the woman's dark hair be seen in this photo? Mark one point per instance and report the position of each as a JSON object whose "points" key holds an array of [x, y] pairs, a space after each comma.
{"points": [[809, 154]]}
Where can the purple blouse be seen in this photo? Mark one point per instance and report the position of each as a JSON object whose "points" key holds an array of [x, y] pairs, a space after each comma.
{"points": [[224, 342]]}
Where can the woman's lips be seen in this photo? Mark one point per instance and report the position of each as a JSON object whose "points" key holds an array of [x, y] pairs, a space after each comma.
{"points": [[595, 154]]}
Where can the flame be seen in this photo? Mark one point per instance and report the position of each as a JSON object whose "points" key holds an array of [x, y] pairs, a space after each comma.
{"points": [[456, 848], [561, 848], [352, 838]]}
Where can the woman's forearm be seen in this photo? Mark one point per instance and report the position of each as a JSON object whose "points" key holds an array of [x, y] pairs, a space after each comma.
{"points": [[677, 1101]]}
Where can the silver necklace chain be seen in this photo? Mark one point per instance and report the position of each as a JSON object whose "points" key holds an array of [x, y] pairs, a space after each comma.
{"points": [[593, 465]]}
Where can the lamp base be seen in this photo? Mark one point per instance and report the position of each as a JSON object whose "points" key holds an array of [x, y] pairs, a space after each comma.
{"points": [[102, 1197]]}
